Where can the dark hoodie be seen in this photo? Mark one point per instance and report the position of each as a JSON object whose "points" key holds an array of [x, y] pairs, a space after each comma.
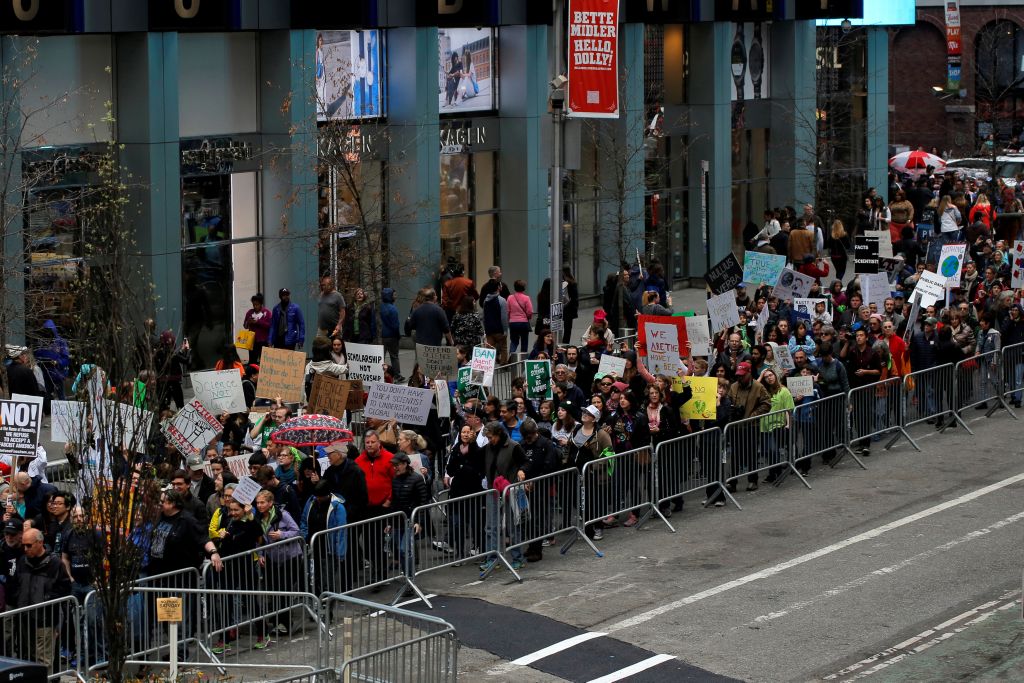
{"points": [[348, 481], [388, 314]]}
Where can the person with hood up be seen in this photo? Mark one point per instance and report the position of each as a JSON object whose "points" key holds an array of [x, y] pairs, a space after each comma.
{"points": [[1012, 333], [55, 358], [390, 330]]}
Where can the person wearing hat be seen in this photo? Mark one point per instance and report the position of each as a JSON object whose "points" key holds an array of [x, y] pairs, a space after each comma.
{"points": [[287, 327], [749, 399], [473, 415], [257, 321], [587, 443], [200, 484], [922, 346], [408, 492], [10, 551], [598, 334], [20, 378]]}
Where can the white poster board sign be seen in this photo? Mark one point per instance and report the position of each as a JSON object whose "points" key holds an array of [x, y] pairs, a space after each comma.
{"points": [[408, 405], [875, 289], [192, 428], [365, 362], [930, 288], [782, 356], [662, 349], [698, 334], [951, 262], [611, 365], [792, 285], [220, 390], [67, 421], [246, 490], [481, 366], [444, 400], [800, 386], [722, 310]]}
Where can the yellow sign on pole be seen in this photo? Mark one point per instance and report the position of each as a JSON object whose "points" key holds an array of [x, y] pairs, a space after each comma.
{"points": [[168, 609]]}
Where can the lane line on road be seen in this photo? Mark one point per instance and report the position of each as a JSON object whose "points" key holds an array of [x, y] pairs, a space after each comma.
{"points": [[560, 646], [644, 617], [888, 571], [633, 669]]}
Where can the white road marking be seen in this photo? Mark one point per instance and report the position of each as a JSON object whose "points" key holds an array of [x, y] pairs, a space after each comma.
{"points": [[560, 646], [891, 569], [634, 669], [644, 617]]}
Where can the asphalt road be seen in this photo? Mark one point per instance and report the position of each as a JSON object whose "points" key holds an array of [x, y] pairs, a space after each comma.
{"points": [[910, 570]]}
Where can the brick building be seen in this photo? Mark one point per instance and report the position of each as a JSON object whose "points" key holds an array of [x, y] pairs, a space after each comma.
{"points": [[992, 35]]}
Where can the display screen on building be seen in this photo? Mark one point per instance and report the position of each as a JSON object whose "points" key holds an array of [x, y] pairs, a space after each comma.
{"points": [[349, 75], [466, 80], [750, 68], [880, 13]]}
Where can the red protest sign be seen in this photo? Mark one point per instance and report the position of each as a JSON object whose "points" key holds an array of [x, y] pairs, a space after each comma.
{"points": [[678, 322], [593, 48]]}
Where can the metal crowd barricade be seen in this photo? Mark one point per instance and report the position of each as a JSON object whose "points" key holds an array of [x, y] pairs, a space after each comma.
{"points": [[629, 340], [687, 464], [930, 397], [1013, 374], [362, 555], [248, 645], [619, 483], [144, 639], [820, 428], [471, 528], [376, 643], [878, 409], [978, 381], [758, 443], [543, 507], [63, 475], [44, 634], [503, 378]]}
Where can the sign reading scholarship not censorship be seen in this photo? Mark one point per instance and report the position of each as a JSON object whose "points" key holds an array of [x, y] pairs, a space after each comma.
{"points": [[19, 427], [395, 402], [437, 361], [365, 362], [220, 390], [282, 373]]}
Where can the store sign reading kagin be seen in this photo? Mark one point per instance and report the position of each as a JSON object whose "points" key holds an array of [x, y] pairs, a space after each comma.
{"points": [[456, 139]]}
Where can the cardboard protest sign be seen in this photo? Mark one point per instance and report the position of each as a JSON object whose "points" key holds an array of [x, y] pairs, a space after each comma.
{"points": [[246, 490], [865, 255], [282, 373], [930, 287], [611, 365], [875, 289], [703, 405], [1016, 257], [482, 366], [800, 386], [761, 268], [67, 421], [698, 334], [951, 262], [408, 405], [19, 426], [724, 275], [782, 356], [356, 393], [556, 323], [329, 396], [444, 399], [437, 361], [722, 311], [677, 322], [538, 379], [792, 285], [192, 428], [365, 362], [662, 346], [220, 390]]}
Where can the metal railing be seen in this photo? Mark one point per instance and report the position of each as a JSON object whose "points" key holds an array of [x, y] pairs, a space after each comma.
{"points": [[687, 464], [978, 382], [1013, 374], [503, 377], [759, 443], [615, 484], [930, 397], [543, 508], [46, 634], [876, 410], [820, 427]]}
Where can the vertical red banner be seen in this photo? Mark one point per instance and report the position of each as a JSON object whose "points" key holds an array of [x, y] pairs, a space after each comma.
{"points": [[593, 58]]}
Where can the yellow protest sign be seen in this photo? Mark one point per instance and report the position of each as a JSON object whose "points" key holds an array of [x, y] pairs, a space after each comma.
{"points": [[703, 405], [168, 609]]}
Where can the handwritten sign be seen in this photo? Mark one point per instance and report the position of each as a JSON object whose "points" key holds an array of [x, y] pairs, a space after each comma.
{"points": [[761, 268], [538, 378], [192, 428], [482, 366], [782, 356], [437, 361], [408, 405], [698, 335], [246, 490], [238, 465], [365, 362], [67, 421], [611, 365], [444, 399], [703, 405], [465, 388], [135, 424], [800, 386], [662, 348], [678, 322], [792, 285], [220, 390], [875, 288], [329, 396], [168, 609], [282, 373], [356, 393], [722, 310], [724, 275]]}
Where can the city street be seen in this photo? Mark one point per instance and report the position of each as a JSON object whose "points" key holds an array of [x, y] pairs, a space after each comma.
{"points": [[910, 570]]}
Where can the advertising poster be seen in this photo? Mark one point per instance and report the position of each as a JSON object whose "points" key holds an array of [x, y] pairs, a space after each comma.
{"points": [[348, 75], [593, 61], [750, 70], [466, 79]]}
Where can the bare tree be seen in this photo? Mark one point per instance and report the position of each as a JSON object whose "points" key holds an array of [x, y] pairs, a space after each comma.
{"points": [[998, 78]]}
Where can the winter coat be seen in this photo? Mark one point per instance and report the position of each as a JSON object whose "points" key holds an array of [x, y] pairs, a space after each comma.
{"points": [[281, 521], [465, 471], [408, 492], [295, 326], [379, 472], [495, 314], [348, 481], [336, 518], [389, 326], [505, 460], [40, 579]]}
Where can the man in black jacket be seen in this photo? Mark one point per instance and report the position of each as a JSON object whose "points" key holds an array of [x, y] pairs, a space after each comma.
{"points": [[20, 378], [284, 494], [347, 481], [191, 504], [408, 492], [541, 459], [41, 577]]}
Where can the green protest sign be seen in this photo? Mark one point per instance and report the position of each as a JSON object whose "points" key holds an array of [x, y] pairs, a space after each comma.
{"points": [[538, 379], [465, 389]]}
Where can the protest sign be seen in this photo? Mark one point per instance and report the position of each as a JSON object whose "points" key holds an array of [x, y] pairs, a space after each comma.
{"points": [[703, 405], [437, 361], [951, 262], [724, 275], [482, 366], [915, 311], [865, 255], [409, 405], [800, 386], [611, 365], [465, 389], [884, 242], [762, 320], [930, 287], [329, 396], [282, 373], [761, 268], [783, 357], [135, 424], [538, 379], [246, 490], [1017, 265], [722, 311], [365, 362], [662, 346], [444, 399], [67, 422], [19, 426], [220, 390], [192, 428], [356, 393], [238, 465], [804, 308], [698, 335], [556, 317], [792, 285], [677, 322], [875, 289]]}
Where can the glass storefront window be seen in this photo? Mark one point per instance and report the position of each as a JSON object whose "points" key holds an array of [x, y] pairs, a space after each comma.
{"points": [[666, 202], [469, 222], [749, 180]]}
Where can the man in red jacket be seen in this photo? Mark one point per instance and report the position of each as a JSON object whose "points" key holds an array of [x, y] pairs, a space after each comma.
{"points": [[375, 462]]}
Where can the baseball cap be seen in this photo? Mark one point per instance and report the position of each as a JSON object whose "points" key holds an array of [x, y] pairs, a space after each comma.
{"points": [[599, 315], [284, 290], [743, 368], [620, 386], [336, 446], [594, 412], [931, 320], [400, 457], [13, 525], [195, 462], [477, 410]]}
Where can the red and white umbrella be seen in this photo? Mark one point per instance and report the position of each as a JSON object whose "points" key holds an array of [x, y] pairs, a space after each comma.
{"points": [[916, 162]]}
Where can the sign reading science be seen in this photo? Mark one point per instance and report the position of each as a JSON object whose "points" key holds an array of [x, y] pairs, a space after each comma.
{"points": [[593, 46]]}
